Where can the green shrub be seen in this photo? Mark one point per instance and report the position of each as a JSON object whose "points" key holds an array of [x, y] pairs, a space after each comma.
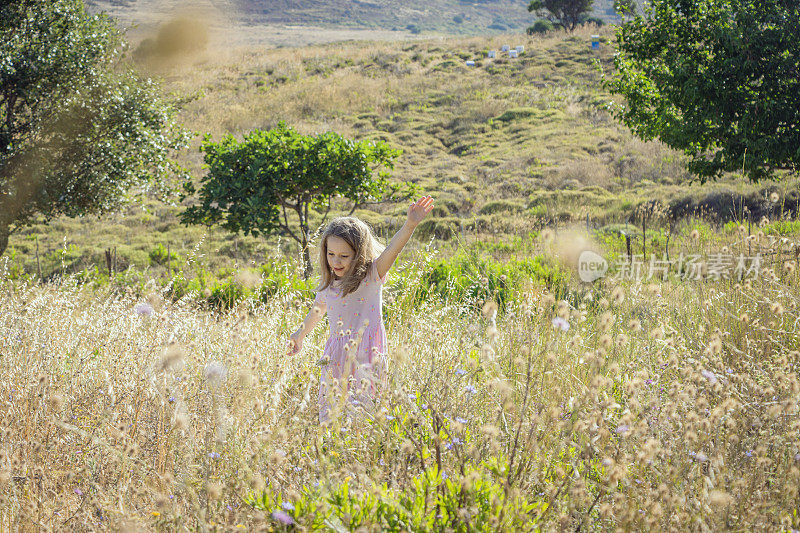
{"points": [[472, 277], [158, 255], [431, 502], [540, 26], [501, 206], [518, 113]]}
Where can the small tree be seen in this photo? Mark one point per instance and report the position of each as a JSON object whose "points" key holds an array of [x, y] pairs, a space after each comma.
{"points": [[566, 13], [251, 184], [718, 79], [77, 130]]}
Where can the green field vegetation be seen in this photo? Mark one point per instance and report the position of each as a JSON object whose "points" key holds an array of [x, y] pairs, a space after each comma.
{"points": [[506, 147]]}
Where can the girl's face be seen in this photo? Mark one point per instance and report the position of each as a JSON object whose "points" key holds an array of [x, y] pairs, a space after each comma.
{"points": [[340, 256]]}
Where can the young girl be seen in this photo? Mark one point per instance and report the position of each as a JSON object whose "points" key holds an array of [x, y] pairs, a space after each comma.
{"points": [[353, 274]]}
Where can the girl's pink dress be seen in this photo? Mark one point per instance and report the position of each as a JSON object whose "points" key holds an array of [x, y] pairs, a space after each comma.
{"points": [[356, 367]]}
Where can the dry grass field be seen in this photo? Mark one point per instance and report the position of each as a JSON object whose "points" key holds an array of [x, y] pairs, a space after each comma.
{"points": [[636, 405]]}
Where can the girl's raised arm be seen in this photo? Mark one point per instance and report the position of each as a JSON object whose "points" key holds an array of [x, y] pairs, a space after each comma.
{"points": [[417, 211]]}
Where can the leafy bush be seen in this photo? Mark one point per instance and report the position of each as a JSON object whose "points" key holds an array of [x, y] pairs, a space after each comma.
{"points": [[434, 502], [540, 26], [472, 277]]}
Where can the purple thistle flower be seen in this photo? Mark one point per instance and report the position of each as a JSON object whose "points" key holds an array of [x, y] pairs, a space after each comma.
{"points": [[283, 518], [143, 309], [460, 372], [560, 323], [709, 375]]}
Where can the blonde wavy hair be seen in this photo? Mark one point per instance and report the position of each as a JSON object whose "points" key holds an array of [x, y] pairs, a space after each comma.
{"points": [[365, 246]]}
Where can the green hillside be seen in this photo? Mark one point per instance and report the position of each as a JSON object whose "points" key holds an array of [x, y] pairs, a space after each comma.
{"points": [[505, 146], [444, 16]]}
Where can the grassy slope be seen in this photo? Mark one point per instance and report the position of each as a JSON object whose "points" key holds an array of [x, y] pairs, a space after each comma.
{"points": [[448, 16], [504, 146]]}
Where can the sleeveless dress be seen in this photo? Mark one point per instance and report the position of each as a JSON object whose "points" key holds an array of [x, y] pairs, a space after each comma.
{"points": [[355, 352]]}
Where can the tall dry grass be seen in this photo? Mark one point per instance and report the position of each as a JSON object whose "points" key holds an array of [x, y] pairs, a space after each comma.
{"points": [[667, 405]]}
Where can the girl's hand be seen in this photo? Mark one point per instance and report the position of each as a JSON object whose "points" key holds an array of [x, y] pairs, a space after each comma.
{"points": [[419, 210], [295, 343]]}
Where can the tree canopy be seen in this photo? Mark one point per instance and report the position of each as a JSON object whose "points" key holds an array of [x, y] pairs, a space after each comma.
{"points": [[251, 184], [717, 79], [78, 130], [566, 13]]}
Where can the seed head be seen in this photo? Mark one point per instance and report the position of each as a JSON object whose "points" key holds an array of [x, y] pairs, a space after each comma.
{"points": [[172, 359], [215, 373], [618, 295], [213, 490], [489, 310]]}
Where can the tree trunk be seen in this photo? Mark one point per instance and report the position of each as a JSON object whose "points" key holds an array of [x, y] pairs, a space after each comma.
{"points": [[302, 213], [4, 234]]}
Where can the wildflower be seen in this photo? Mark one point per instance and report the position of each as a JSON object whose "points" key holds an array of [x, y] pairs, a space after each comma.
{"points": [[773, 197], [460, 371], [634, 325], [283, 518], [289, 506], [560, 323], [143, 309], [215, 373], [709, 375], [622, 429], [470, 389], [214, 455], [657, 333], [461, 420], [700, 456]]}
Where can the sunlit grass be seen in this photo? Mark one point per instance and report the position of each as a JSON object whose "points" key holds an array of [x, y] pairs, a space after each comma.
{"points": [[638, 405]]}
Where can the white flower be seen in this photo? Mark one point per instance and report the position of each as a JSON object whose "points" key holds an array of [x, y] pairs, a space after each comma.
{"points": [[560, 323]]}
